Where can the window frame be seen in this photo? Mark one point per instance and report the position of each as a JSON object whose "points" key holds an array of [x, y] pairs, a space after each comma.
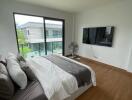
{"points": [[44, 18]]}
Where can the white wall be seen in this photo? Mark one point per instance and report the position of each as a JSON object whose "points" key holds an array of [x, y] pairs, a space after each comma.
{"points": [[7, 30], [118, 14], [130, 58], [130, 62]]}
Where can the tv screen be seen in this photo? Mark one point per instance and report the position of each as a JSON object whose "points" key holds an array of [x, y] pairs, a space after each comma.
{"points": [[98, 35]]}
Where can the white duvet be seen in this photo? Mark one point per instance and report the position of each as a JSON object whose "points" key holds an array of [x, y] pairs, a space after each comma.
{"points": [[57, 83]]}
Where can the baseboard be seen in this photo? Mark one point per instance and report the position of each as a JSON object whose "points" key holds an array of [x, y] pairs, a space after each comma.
{"points": [[107, 65]]}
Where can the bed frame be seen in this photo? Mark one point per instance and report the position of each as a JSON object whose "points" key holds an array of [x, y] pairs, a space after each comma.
{"points": [[80, 91]]}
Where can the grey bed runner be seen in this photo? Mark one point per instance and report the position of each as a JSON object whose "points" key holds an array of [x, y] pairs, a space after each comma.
{"points": [[82, 74]]}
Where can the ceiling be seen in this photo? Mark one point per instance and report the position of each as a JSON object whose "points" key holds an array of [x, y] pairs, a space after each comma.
{"points": [[69, 5]]}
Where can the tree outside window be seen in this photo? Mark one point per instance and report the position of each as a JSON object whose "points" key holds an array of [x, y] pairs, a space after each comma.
{"points": [[23, 44]]}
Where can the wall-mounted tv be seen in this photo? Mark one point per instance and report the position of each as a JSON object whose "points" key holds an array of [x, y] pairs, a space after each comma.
{"points": [[98, 35]]}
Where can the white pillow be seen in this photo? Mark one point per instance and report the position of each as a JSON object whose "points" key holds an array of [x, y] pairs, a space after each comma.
{"points": [[16, 73]]}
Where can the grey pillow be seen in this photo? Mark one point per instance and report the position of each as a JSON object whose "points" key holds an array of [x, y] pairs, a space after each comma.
{"points": [[6, 84], [26, 68]]}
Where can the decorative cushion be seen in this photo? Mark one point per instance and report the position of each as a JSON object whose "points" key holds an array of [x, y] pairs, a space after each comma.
{"points": [[16, 73], [26, 68], [2, 60], [20, 58], [6, 85], [3, 69]]}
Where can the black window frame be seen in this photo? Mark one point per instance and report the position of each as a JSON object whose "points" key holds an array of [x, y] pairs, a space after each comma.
{"points": [[44, 18]]}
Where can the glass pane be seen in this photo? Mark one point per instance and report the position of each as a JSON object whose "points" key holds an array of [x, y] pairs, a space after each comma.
{"points": [[30, 35], [54, 36]]}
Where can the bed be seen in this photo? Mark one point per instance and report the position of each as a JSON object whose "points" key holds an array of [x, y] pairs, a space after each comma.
{"points": [[58, 78], [34, 91]]}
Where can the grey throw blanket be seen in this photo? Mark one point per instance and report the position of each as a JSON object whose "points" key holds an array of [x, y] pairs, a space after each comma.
{"points": [[82, 74]]}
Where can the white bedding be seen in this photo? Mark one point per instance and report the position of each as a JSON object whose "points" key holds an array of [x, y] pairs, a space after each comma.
{"points": [[57, 83]]}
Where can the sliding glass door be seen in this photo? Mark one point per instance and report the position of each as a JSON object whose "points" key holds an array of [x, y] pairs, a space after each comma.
{"points": [[38, 36], [54, 36]]}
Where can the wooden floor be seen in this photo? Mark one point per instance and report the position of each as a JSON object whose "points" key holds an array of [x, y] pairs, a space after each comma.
{"points": [[112, 83]]}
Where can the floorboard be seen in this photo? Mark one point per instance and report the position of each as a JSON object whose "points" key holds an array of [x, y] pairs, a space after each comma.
{"points": [[112, 83]]}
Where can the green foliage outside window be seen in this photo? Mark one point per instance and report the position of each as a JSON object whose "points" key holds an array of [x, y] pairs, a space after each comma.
{"points": [[24, 49]]}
